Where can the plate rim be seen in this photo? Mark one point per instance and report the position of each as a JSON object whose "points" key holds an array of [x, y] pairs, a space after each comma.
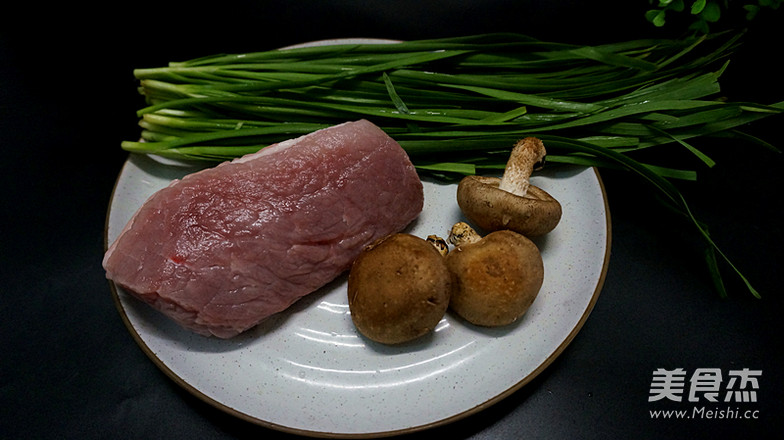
{"points": [[408, 430]]}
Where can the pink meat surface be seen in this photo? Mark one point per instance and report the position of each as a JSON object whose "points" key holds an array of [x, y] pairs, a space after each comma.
{"points": [[224, 248]]}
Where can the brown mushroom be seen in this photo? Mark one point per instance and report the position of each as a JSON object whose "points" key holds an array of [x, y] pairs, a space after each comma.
{"points": [[497, 277], [398, 289], [511, 202]]}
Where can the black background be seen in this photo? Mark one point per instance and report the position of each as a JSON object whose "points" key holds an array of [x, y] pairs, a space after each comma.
{"points": [[70, 369]]}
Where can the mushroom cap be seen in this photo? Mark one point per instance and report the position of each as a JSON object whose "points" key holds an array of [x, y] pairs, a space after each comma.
{"points": [[496, 279], [490, 208], [398, 289]]}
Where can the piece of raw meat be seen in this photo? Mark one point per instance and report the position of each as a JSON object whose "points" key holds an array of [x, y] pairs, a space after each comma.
{"points": [[226, 247]]}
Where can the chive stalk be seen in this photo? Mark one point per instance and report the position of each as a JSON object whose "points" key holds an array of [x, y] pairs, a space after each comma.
{"points": [[458, 105]]}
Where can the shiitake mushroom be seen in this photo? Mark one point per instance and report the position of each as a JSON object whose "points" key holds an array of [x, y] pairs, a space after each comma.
{"points": [[398, 289], [497, 277], [511, 202]]}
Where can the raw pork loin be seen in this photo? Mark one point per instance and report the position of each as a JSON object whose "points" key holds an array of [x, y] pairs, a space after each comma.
{"points": [[224, 248]]}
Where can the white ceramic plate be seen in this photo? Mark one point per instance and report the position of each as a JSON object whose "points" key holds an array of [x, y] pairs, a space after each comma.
{"points": [[307, 370]]}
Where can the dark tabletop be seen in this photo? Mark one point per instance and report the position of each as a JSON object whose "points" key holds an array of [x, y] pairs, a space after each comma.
{"points": [[70, 369]]}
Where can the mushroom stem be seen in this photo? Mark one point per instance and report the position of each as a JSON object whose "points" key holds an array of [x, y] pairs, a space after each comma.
{"points": [[523, 159], [439, 243], [462, 234]]}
